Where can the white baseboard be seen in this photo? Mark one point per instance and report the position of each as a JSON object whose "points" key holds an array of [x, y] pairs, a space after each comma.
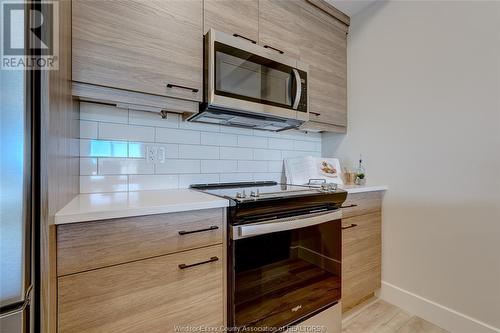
{"points": [[433, 312]]}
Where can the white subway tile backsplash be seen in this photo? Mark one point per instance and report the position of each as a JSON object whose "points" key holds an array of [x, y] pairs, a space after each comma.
{"points": [[124, 166], [235, 177], [88, 166], [266, 155], [101, 112], [114, 140], [88, 129], [178, 166], [219, 139], [152, 182], [252, 166], [103, 148], [275, 166], [304, 145], [97, 184], [229, 153], [280, 143], [235, 130], [252, 141], [298, 153], [199, 126], [272, 176], [138, 149], [170, 135], [218, 166], [199, 152], [146, 118], [186, 180], [109, 131]]}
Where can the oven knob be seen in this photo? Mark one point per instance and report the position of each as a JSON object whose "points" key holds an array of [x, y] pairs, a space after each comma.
{"points": [[255, 194]]}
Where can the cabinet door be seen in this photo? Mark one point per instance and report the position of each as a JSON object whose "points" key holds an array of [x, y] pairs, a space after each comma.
{"points": [[324, 47], [240, 17], [279, 26], [149, 46], [361, 258], [151, 295]]}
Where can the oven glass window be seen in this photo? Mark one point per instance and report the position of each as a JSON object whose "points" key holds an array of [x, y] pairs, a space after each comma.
{"points": [[243, 75], [284, 277]]}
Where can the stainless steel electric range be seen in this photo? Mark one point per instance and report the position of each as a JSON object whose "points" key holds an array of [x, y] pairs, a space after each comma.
{"points": [[284, 254]]}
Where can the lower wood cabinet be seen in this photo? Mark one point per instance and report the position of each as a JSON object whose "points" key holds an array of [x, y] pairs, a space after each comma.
{"points": [[150, 295], [361, 253]]}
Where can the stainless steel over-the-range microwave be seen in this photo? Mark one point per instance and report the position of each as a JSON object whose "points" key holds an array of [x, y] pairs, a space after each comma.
{"points": [[248, 85]]}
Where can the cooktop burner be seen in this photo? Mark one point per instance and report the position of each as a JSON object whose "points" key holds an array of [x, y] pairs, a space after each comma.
{"points": [[253, 191]]}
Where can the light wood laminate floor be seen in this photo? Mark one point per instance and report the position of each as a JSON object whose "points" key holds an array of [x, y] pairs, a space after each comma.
{"points": [[382, 317]]}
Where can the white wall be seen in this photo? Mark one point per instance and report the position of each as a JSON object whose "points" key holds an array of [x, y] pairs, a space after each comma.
{"points": [[424, 109], [113, 143]]}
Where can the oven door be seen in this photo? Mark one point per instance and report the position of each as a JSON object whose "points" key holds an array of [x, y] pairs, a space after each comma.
{"points": [[284, 271], [244, 76]]}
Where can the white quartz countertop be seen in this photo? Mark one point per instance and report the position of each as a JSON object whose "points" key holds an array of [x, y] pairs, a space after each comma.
{"points": [[100, 206], [363, 188]]}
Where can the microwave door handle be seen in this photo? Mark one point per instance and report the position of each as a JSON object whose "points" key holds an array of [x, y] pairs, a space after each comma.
{"points": [[262, 228], [298, 89]]}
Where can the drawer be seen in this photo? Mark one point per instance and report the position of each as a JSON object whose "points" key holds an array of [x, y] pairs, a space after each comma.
{"points": [[361, 258], [150, 295], [362, 203], [90, 245]]}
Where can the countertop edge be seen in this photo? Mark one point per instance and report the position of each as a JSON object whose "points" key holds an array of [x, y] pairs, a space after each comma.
{"points": [[133, 212], [374, 188]]}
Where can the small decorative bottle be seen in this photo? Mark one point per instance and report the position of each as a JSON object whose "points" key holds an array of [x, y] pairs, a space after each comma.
{"points": [[360, 173]]}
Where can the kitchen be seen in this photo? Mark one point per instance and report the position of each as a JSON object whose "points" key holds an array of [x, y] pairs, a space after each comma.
{"points": [[255, 165]]}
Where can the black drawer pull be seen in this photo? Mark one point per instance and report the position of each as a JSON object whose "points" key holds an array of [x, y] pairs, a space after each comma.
{"points": [[349, 226], [349, 206], [170, 85], [183, 232], [246, 38], [184, 266], [315, 113], [273, 48]]}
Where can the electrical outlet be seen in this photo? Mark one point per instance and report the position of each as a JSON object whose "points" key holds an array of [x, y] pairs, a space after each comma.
{"points": [[151, 154], [155, 154]]}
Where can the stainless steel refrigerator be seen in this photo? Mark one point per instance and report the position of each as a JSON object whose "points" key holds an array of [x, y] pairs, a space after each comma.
{"points": [[16, 225]]}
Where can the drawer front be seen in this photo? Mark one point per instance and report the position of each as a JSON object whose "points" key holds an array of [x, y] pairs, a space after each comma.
{"points": [[362, 203], [150, 295], [90, 245], [361, 258]]}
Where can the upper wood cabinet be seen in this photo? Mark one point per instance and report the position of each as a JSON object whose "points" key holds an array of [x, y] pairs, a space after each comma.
{"points": [[152, 46], [240, 17], [323, 45], [279, 26]]}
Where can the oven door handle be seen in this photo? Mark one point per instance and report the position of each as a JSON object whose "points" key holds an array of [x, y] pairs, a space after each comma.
{"points": [[262, 228], [298, 89]]}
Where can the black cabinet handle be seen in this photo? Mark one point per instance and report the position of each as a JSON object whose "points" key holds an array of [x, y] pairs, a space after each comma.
{"points": [[273, 48], [349, 226], [315, 113], [183, 232], [246, 38], [170, 85], [349, 206], [184, 266]]}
